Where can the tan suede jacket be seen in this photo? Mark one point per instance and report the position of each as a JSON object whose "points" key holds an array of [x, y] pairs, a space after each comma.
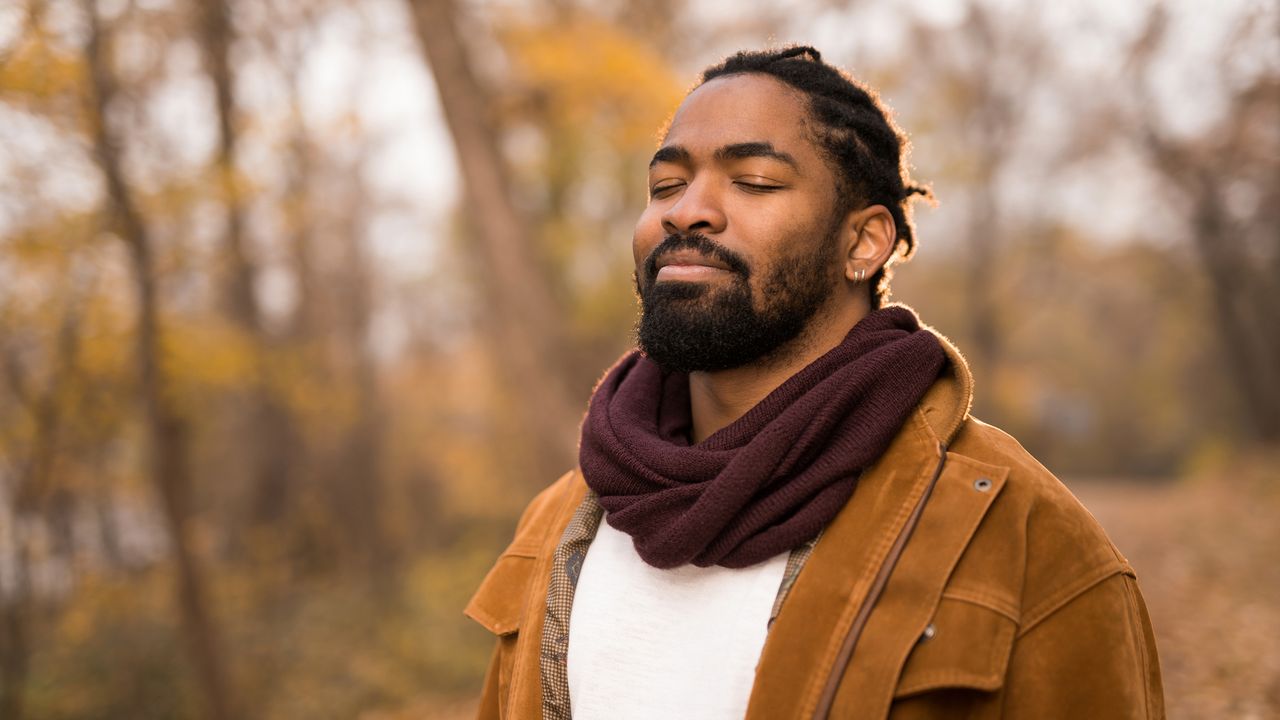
{"points": [[1006, 598]]}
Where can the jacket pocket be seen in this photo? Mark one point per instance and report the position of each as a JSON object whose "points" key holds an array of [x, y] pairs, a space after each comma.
{"points": [[966, 645], [499, 601]]}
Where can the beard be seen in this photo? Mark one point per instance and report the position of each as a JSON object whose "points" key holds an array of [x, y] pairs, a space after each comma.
{"points": [[693, 326]]}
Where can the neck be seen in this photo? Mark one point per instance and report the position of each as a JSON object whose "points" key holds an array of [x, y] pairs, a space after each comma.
{"points": [[719, 398]]}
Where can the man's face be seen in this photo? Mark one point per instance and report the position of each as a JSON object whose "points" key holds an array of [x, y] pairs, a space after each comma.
{"points": [[738, 248]]}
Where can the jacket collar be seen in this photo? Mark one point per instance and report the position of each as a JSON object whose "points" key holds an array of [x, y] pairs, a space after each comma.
{"points": [[947, 403], [801, 651]]}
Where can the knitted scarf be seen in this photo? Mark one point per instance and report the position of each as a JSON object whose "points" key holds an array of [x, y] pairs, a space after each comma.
{"points": [[772, 479]]}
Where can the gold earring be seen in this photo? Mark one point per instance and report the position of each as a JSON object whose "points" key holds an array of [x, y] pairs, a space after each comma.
{"points": [[859, 275]]}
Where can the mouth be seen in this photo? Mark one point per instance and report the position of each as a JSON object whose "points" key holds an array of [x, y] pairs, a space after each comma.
{"points": [[688, 265]]}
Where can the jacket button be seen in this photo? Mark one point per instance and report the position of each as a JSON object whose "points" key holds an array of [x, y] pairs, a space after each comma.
{"points": [[929, 632], [982, 484]]}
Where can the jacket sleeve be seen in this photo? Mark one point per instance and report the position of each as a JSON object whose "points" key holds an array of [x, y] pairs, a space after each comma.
{"points": [[499, 602], [488, 709], [1091, 654]]}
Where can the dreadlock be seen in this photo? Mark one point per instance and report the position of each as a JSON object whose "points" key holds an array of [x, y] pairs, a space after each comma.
{"points": [[864, 147]]}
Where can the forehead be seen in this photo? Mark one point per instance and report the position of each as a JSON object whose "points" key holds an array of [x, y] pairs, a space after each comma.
{"points": [[742, 108]]}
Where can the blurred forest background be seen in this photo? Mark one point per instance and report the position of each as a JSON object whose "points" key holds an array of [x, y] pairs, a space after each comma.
{"points": [[302, 300]]}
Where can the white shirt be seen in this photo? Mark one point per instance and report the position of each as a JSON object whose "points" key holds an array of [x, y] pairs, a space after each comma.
{"points": [[679, 643]]}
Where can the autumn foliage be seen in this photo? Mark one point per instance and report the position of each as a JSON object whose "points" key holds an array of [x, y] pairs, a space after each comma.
{"points": [[302, 300]]}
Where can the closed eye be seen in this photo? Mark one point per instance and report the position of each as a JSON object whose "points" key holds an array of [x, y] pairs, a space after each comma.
{"points": [[757, 187], [664, 189]]}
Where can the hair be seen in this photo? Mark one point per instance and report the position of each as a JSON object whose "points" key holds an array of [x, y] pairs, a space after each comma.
{"points": [[856, 132]]}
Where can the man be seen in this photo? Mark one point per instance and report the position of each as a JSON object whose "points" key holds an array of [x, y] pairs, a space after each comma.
{"points": [[800, 518]]}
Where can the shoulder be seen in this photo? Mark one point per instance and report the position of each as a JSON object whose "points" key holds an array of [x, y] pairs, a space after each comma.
{"points": [[545, 510], [499, 601], [1084, 645], [1052, 548], [1031, 489]]}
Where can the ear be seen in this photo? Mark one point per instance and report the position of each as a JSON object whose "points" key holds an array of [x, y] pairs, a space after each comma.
{"points": [[870, 236]]}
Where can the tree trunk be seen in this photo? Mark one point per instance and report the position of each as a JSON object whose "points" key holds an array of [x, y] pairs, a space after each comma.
{"points": [[269, 431], [361, 477], [980, 274], [1244, 292], [216, 36], [15, 642], [168, 434], [35, 496], [523, 321], [1246, 321]]}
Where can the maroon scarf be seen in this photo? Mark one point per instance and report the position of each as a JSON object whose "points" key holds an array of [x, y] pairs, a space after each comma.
{"points": [[769, 481]]}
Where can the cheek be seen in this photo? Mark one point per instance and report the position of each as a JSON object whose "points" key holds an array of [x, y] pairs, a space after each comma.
{"points": [[648, 234], [783, 247]]}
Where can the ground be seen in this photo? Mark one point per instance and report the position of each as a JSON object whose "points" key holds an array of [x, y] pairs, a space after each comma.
{"points": [[1207, 554]]}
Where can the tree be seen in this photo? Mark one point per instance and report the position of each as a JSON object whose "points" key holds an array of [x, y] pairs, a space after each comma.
{"points": [[521, 314], [32, 481], [168, 429], [1238, 249], [978, 79]]}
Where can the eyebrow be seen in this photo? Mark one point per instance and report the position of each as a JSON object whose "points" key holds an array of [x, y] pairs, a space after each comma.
{"points": [[671, 154], [738, 151], [734, 151]]}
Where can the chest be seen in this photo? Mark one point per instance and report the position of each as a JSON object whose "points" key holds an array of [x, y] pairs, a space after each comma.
{"points": [[689, 637]]}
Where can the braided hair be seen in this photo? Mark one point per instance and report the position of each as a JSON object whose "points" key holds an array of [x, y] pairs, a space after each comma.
{"points": [[864, 147]]}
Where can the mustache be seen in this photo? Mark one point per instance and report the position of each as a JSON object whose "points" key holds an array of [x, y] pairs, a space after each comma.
{"points": [[699, 243]]}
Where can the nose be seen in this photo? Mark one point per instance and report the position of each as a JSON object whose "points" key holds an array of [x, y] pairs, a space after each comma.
{"points": [[697, 208]]}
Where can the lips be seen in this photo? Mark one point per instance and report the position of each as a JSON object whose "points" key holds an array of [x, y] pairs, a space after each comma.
{"points": [[689, 257], [688, 264], [693, 257]]}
